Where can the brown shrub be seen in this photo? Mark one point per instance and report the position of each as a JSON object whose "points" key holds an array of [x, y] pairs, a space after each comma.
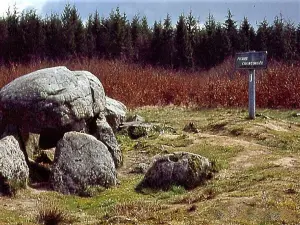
{"points": [[276, 87]]}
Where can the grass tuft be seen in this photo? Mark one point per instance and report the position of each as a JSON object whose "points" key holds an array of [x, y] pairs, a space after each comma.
{"points": [[53, 216]]}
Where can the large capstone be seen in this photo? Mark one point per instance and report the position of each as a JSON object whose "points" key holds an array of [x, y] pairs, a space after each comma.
{"points": [[180, 168], [14, 172], [52, 100], [81, 161]]}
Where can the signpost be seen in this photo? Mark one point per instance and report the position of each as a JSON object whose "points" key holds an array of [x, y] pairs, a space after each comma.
{"points": [[251, 61]]}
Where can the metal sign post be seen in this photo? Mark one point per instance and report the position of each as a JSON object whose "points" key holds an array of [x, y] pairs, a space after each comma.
{"points": [[251, 61], [251, 94]]}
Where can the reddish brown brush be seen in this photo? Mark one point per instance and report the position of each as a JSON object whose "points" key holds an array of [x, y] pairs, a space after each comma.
{"points": [[276, 87]]}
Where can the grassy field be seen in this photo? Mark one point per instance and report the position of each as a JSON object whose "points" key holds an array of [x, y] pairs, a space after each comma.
{"points": [[257, 182]]}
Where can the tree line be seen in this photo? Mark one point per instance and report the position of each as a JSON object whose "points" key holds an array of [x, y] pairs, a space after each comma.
{"points": [[26, 36]]}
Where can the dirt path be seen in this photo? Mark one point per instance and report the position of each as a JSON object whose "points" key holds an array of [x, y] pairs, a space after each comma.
{"points": [[245, 158]]}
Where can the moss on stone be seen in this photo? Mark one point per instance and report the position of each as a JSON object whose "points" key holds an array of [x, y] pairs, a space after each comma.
{"points": [[199, 173], [136, 132]]}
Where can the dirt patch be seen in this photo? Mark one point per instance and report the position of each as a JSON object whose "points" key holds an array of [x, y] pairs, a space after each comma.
{"points": [[276, 126], [286, 162], [225, 141], [170, 136], [247, 158], [25, 206]]}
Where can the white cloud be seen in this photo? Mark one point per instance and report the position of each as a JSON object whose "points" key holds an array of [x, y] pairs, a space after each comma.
{"points": [[200, 25], [20, 5]]}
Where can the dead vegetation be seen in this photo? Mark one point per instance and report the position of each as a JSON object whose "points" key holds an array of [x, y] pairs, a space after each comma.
{"points": [[134, 85]]}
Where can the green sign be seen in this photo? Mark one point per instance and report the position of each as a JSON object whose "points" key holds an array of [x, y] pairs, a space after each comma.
{"points": [[251, 60]]}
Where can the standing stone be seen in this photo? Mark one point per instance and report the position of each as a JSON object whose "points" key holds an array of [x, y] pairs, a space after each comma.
{"points": [[115, 113], [14, 172], [105, 134], [31, 144], [81, 161]]}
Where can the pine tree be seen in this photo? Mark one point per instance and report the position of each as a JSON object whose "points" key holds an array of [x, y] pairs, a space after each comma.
{"points": [[68, 31], [90, 38], [191, 24], [167, 43], [290, 41], [232, 33], [244, 35], [145, 27], [209, 58], [135, 36], [105, 38], [210, 25], [199, 49], [53, 38], [100, 33], [144, 41], [222, 44], [117, 33], [252, 39], [72, 31], [156, 44], [298, 41], [247, 36], [277, 43], [183, 53], [13, 48], [80, 41], [192, 29], [3, 38], [128, 50], [33, 35], [263, 36]]}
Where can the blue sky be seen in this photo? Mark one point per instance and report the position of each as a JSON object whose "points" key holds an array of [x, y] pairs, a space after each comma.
{"points": [[254, 10]]}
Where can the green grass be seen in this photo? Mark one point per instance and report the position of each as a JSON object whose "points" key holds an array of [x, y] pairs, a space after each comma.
{"points": [[180, 141], [14, 217], [250, 187], [284, 141]]}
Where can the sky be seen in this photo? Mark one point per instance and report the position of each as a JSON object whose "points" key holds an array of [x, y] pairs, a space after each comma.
{"points": [[255, 10]]}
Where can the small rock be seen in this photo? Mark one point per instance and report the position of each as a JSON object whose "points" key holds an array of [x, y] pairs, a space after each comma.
{"points": [[262, 116], [135, 118], [140, 168], [46, 156], [290, 191], [180, 168], [139, 131], [296, 114], [190, 128], [136, 130], [192, 208]]}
